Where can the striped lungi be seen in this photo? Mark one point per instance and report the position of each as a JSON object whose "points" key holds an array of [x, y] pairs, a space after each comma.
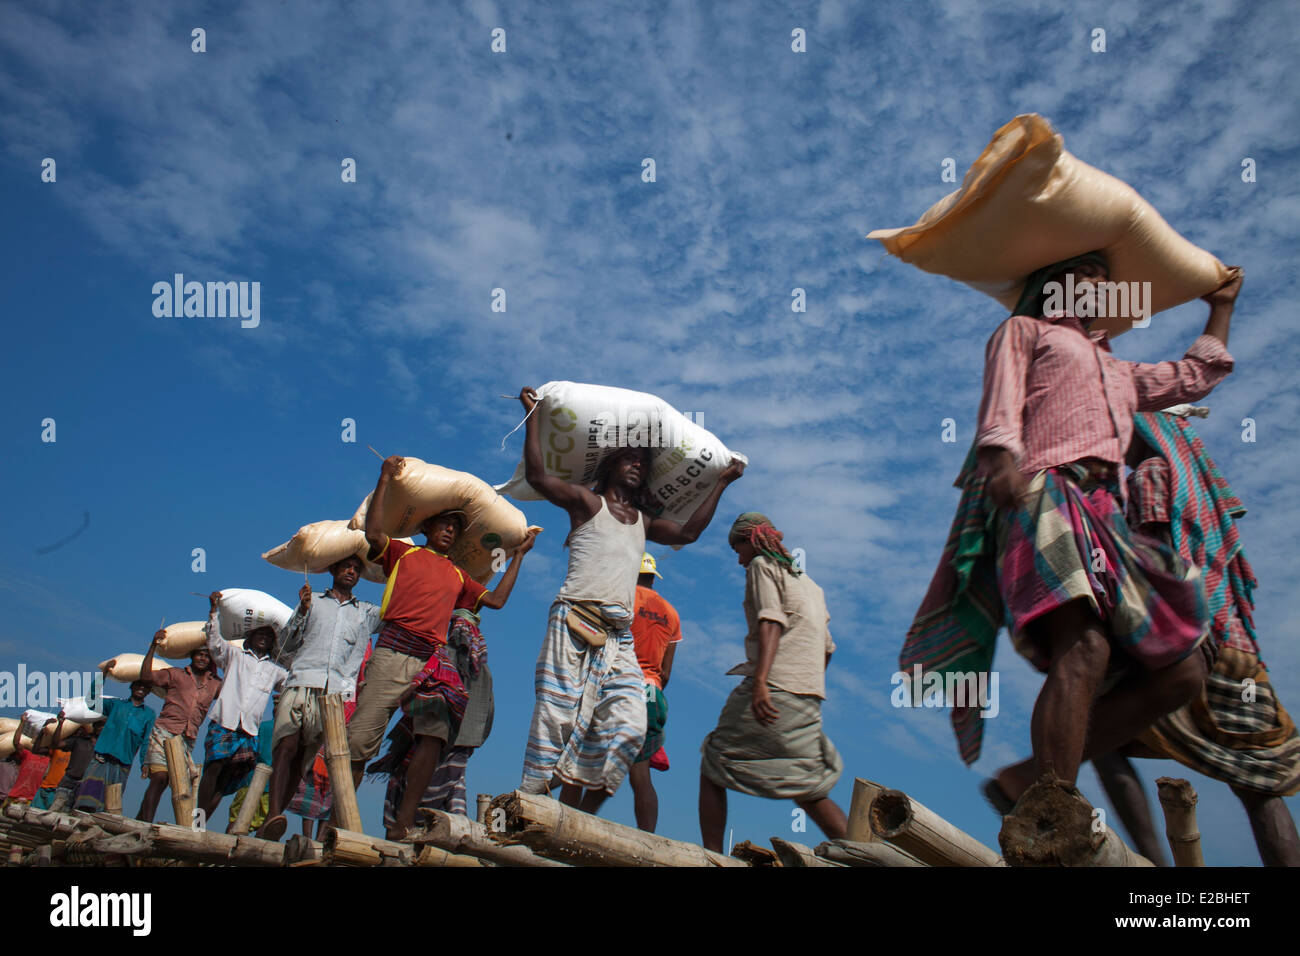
{"points": [[446, 789], [1069, 540], [1236, 731], [788, 759], [590, 718], [93, 789]]}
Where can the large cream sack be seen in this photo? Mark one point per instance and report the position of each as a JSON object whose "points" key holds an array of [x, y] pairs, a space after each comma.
{"points": [[243, 610], [316, 546], [34, 722], [422, 490], [581, 425], [1026, 203], [182, 639]]}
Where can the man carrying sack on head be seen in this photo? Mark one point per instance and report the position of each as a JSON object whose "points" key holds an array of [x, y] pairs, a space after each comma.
{"points": [[423, 589], [589, 721]]}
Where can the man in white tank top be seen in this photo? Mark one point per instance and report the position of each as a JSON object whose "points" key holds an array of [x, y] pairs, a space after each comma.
{"points": [[590, 718]]}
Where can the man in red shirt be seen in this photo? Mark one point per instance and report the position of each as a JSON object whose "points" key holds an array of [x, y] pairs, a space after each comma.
{"points": [[190, 692], [656, 631], [423, 588]]}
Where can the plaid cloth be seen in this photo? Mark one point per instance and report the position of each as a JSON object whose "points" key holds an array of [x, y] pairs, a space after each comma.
{"points": [[314, 800], [239, 749], [439, 688], [1237, 731], [466, 640], [446, 789], [1151, 602], [1016, 565], [1184, 488], [956, 628]]}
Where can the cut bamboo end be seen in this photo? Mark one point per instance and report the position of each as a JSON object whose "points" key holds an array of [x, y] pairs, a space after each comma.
{"points": [[459, 834], [864, 795], [913, 827], [353, 848], [796, 854], [252, 799], [113, 798], [878, 853], [1054, 825], [1178, 800]]}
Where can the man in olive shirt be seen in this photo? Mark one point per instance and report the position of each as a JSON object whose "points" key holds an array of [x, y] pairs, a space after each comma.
{"points": [[769, 740]]}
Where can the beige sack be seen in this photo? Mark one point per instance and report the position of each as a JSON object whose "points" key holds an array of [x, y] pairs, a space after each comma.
{"points": [[127, 668], [316, 546], [1026, 203], [181, 640], [422, 490]]}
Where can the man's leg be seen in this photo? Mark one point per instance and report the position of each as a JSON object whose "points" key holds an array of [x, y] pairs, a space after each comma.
{"points": [[286, 772], [713, 814], [424, 759], [592, 800], [209, 789], [644, 799], [1125, 793], [570, 794], [826, 813], [152, 794], [1273, 826]]}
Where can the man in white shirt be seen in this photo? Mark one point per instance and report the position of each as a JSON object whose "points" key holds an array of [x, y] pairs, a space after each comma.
{"points": [[230, 748]]}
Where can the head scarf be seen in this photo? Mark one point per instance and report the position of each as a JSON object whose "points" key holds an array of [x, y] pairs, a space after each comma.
{"points": [[1029, 304], [1202, 513], [757, 529]]}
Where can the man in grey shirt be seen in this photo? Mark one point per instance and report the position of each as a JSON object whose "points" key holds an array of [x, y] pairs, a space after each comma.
{"points": [[326, 641]]}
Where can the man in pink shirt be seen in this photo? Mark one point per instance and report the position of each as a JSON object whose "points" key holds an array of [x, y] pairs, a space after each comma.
{"points": [[1115, 620]]}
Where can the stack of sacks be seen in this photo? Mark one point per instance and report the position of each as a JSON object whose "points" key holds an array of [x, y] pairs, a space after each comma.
{"points": [[581, 425], [316, 546], [422, 490], [1027, 203]]}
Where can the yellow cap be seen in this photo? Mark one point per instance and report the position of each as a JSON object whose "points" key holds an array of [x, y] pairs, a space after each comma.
{"points": [[648, 566]]}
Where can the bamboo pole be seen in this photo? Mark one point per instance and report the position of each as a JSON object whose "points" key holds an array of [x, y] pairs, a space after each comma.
{"points": [[459, 834], [113, 799], [755, 855], [435, 856], [252, 799], [484, 800], [552, 829], [796, 854], [339, 760], [864, 795], [879, 853], [1054, 825], [178, 776], [924, 834], [1178, 800], [353, 848]]}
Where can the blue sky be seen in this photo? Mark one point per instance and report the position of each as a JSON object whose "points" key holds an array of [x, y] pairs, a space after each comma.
{"points": [[522, 170]]}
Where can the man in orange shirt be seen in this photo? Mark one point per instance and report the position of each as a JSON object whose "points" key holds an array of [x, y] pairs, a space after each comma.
{"points": [[657, 631]]}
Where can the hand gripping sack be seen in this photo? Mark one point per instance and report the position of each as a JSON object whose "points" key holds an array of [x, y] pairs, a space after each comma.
{"points": [[181, 639], [316, 546], [422, 490], [581, 425], [1026, 203]]}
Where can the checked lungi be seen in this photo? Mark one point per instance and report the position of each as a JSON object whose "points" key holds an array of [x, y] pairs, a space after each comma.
{"points": [[1068, 540], [589, 721], [237, 748], [93, 789]]}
